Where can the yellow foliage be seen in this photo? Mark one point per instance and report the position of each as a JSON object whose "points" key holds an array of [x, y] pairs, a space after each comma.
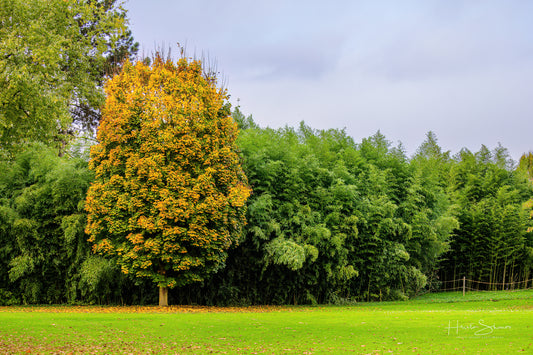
{"points": [[169, 188]]}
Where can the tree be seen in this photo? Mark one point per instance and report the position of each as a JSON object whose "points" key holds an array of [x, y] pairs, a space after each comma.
{"points": [[119, 47], [169, 194], [52, 56]]}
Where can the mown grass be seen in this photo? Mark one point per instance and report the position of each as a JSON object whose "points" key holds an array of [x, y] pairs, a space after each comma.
{"points": [[491, 323], [474, 296]]}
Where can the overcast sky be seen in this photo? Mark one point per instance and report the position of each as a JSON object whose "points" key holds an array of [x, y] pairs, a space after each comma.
{"points": [[462, 69]]}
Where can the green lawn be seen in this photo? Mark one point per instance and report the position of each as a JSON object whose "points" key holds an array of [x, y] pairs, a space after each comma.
{"points": [[491, 323]]}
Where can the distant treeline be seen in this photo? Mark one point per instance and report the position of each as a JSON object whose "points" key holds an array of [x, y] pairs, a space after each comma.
{"points": [[329, 220]]}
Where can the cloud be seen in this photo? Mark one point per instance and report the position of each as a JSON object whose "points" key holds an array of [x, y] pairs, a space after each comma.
{"points": [[462, 69]]}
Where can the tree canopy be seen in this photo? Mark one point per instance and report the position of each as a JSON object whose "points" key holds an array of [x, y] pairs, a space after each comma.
{"points": [[52, 59], [169, 193]]}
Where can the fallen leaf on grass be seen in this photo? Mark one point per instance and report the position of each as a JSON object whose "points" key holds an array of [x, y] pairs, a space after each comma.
{"points": [[147, 309]]}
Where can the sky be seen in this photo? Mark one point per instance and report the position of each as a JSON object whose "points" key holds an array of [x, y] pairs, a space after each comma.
{"points": [[462, 69]]}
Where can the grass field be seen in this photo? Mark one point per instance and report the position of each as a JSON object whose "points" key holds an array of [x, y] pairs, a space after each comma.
{"points": [[491, 323]]}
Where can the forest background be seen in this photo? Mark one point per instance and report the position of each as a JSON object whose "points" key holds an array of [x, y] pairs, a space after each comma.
{"points": [[329, 219]]}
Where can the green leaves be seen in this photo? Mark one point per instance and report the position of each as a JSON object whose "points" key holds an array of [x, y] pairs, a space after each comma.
{"points": [[41, 233], [20, 266], [285, 252], [323, 211], [526, 164], [491, 241], [52, 55]]}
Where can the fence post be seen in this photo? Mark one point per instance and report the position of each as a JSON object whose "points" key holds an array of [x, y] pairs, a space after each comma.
{"points": [[464, 285]]}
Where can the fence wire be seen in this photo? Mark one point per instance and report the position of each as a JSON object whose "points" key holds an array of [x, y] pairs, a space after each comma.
{"points": [[469, 285]]}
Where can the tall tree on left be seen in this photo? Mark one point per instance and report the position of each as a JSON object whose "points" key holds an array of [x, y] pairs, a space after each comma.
{"points": [[169, 195], [53, 55]]}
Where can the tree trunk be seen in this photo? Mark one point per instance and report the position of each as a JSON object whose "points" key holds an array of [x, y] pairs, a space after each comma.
{"points": [[163, 296], [504, 268]]}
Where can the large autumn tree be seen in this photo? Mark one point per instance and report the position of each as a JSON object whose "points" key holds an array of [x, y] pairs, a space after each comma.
{"points": [[169, 195]]}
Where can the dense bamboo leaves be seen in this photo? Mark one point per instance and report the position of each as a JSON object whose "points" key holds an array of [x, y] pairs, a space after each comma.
{"points": [[493, 241], [42, 227], [169, 195], [430, 205], [297, 176], [330, 220]]}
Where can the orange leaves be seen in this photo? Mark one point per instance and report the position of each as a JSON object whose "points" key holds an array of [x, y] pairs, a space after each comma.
{"points": [[146, 224], [136, 238], [151, 309], [145, 264], [104, 246], [153, 245], [239, 194]]}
